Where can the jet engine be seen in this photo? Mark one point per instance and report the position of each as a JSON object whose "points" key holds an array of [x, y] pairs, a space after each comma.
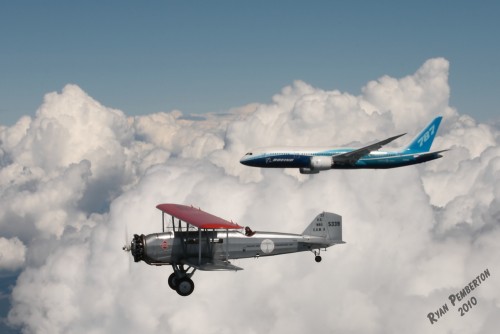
{"points": [[317, 164]]}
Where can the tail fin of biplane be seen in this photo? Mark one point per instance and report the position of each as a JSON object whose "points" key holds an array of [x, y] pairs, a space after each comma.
{"points": [[326, 225]]}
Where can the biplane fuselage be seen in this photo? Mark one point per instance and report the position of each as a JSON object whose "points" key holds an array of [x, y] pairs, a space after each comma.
{"points": [[167, 248], [199, 240]]}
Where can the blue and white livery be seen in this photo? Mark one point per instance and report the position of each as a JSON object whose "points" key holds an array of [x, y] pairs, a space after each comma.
{"points": [[314, 160]]}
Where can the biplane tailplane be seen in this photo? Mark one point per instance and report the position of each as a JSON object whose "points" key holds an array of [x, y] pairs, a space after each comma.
{"points": [[326, 225]]}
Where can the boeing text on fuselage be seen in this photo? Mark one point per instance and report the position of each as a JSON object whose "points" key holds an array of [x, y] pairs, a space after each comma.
{"points": [[314, 160]]}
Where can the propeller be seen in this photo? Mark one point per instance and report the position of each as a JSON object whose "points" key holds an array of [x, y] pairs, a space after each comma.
{"points": [[127, 248], [136, 246]]}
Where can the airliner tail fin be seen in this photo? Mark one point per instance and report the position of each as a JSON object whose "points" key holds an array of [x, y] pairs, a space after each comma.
{"points": [[423, 141]]}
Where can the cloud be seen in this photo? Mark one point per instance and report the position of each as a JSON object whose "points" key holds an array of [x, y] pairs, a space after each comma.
{"points": [[12, 253], [79, 178]]}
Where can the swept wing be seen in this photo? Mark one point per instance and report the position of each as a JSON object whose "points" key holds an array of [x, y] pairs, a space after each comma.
{"points": [[350, 158]]}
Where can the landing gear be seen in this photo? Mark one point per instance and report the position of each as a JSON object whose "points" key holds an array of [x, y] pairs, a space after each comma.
{"points": [[180, 280], [317, 257], [185, 286], [172, 281]]}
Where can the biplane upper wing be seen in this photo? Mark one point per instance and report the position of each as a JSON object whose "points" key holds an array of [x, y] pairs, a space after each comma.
{"points": [[196, 217]]}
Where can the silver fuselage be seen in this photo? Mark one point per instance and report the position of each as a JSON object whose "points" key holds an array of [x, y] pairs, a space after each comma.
{"points": [[169, 248]]}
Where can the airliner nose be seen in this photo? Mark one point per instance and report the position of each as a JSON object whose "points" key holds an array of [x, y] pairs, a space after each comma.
{"points": [[245, 159]]}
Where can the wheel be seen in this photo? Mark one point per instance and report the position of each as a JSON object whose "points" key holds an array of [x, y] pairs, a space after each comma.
{"points": [[185, 286], [172, 281], [317, 258]]}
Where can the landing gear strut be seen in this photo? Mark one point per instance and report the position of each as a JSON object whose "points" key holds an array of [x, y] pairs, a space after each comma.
{"points": [[180, 280]]}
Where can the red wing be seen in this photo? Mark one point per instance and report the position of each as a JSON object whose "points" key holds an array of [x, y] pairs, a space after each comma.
{"points": [[196, 217]]}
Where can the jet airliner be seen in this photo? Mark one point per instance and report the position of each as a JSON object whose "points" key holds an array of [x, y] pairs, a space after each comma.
{"points": [[314, 160]]}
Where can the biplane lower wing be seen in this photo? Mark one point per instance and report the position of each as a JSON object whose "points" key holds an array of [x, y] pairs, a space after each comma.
{"points": [[210, 265]]}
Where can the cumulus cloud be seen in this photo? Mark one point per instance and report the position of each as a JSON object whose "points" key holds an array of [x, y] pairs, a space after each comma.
{"points": [[79, 176], [12, 253]]}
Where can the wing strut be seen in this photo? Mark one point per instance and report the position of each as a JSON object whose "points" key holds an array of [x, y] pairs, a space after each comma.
{"points": [[227, 245], [163, 222], [199, 246]]}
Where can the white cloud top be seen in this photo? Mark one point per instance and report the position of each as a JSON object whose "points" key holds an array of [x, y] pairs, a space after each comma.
{"points": [[12, 253], [79, 176]]}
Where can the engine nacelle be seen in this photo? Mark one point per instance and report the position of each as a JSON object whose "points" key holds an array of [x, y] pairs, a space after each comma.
{"points": [[321, 163], [317, 164], [308, 171]]}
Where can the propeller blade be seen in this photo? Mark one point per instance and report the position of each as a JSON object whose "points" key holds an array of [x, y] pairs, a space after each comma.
{"points": [[126, 247]]}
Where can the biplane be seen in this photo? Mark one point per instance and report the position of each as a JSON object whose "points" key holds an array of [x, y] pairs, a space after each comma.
{"points": [[192, 239]]}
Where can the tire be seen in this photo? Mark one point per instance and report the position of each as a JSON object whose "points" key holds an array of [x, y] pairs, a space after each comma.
{"points": [[172, 281], [317, 258], [185, 286]]}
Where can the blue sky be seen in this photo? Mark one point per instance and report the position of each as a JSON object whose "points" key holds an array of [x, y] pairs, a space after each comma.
{"points": [[210, 56]]}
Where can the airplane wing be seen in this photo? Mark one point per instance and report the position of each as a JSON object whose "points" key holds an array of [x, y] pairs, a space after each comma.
{"points": [[211, 265], [350, 158], [196, 217]]}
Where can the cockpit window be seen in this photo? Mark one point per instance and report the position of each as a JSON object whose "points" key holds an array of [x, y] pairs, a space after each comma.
{"points": [[249, 153]]}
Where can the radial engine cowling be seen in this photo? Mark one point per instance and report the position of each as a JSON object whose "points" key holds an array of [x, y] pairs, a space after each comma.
{"points": [[137, 247], [317, 164]]}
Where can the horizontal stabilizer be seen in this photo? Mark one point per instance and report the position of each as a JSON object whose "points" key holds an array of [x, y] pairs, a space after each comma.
{"points": [[440, 151], [430, 154], [211, 265]]}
